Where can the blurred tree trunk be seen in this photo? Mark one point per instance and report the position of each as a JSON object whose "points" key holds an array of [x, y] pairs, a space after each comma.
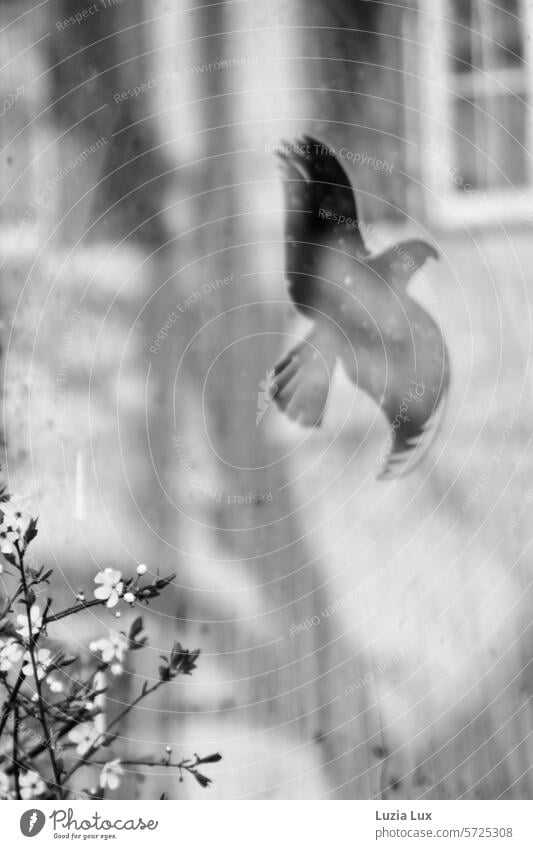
{"points": [[248, 573]]}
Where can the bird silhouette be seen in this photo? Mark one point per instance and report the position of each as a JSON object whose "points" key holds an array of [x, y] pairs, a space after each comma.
{"points": [[361, 312]]}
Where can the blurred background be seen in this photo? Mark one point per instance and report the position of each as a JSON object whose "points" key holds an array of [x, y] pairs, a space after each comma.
{"points": [[359, 639]]}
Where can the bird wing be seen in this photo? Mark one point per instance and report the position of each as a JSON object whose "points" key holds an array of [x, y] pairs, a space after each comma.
{"points": [[412, 432], [398, 263], [324, 167], [299, 217], [299, 195], [301, 379], [334, 202]]}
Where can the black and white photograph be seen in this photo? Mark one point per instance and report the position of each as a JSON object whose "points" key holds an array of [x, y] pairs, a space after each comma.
{"points": [[266, 357]]}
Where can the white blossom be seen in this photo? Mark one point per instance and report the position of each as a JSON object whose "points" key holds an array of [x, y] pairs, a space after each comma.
{"points": [[111, 774], [36, 622], [43, 660], [56, 686], [84, 735], [10, 653], [5, 786], [8, 538], [16, 513], [31, 785], [112, 650], [14, 521], [112, 586]]}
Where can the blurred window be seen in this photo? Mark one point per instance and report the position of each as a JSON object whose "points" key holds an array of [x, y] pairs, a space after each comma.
{"points": [[490, 92], [477, 79]]}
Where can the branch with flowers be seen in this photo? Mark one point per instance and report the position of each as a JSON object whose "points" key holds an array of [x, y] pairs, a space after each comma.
{"points": [[53, 717]]}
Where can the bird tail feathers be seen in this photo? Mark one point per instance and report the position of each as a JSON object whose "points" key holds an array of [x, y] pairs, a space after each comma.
{"points": [[301, 381], [408, 450]]}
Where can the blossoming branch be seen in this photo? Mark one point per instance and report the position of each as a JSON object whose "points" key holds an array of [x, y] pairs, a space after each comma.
{"points": [[53, 724]]}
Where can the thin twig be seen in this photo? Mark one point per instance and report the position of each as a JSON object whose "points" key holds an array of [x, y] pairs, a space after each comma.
{"points": [[98, 742], [69, 723], [16, 765], [11, 601], [42, 714], [186, 763], [75, 609], [39, 748], [6, 709]]}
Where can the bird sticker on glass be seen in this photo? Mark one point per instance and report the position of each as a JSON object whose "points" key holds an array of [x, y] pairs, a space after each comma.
{"points": [[362, 315]]}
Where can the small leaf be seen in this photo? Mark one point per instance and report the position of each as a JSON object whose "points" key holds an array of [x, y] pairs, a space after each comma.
{"points": [[31, 531], [135, 641], [136, 628], [66, 661], [210, 759], [164, 673], [182, 660], [202, 780], [176, 655]]}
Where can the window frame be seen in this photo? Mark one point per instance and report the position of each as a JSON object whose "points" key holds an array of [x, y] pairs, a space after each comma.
{"points": [[443, 203]]}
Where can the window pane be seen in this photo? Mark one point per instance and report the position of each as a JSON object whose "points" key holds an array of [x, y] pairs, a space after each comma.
{"points": [[501, 26], [485, 140], [460, 33], [485, 36]]}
